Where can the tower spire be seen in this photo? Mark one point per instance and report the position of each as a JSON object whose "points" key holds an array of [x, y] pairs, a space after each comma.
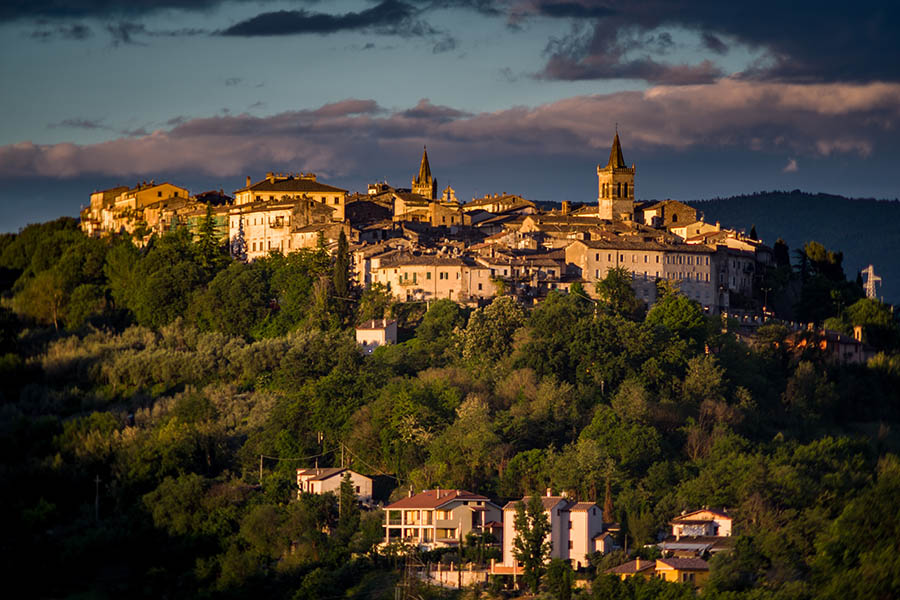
{"points": [[424, 167], [616, 160], [424, 183]]}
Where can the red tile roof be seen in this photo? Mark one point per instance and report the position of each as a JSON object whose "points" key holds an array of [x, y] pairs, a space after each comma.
{"points": [[684, 564], [631, 567], [435, 499]]}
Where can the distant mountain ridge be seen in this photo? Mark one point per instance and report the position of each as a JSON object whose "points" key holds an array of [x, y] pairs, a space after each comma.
{"points": [[864, 229]]}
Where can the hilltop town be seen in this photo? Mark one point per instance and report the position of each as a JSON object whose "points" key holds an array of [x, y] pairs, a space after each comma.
{"points": [[425, 244], [293, 391]]}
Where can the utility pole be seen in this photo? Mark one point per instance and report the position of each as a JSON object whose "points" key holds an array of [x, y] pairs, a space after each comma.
{"points": [[97, 498]]}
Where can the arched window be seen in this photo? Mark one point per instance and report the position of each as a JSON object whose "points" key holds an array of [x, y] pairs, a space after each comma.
{"points": [[625, 189], [618, 190], [675, 218]]}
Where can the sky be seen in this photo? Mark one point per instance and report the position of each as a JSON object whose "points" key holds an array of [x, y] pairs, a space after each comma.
{"points": [[710, 98]]}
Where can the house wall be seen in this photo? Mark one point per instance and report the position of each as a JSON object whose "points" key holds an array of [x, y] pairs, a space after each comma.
{"points": [[693, 272]]}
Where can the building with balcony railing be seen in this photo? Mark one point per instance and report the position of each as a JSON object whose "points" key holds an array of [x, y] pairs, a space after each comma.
{"points": [[440, 518]]}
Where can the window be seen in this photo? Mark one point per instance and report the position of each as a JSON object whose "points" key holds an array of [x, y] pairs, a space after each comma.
{"points": [[159, 194], [618, 190], [597, 257], [674, 218], [609, 257], [479, 287], [597, 273], [621, 258], [337, 201], [570, 542], [625, 189], [428, 275], [646, 258], [357, 489]]}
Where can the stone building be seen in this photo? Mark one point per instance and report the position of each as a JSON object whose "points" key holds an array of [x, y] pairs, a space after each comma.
{"points": [[424, 184], [293, 185], [616, 186]]}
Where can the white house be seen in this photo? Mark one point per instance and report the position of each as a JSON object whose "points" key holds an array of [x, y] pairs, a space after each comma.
{"points": [[376, 332], [703, 522], [576, 529], [323, 480], [697, 533], [439, 518]]}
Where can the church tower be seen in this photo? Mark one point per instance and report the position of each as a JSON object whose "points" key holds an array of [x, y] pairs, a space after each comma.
{"points": [[424, 184], [616, 186]]}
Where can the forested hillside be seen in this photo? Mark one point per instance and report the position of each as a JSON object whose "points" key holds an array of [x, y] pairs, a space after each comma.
{"points": [[143, 385], [865, 230]]}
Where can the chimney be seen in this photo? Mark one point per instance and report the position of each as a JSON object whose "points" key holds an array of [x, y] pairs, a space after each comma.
{"points": [[249, 182], [718, 226], [410, 492], [637, 563], [549, 492], [437, 494], [565, 207]]}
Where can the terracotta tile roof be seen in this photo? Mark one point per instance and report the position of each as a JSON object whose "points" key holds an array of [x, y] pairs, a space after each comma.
{"points": [[291, 184], [583, 506], [684, 564], [632, 567], [321, 473], [436, 499], [716, 511]]}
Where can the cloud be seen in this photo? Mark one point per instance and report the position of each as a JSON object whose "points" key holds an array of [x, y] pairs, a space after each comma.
{"points": [[606, 54], [80, 123], [714, 43], [445, 44], [124, 32], [388, 16], [791, 166], [73, 31], [342, 138], [233, 81], [826, 43], [54, 9]]}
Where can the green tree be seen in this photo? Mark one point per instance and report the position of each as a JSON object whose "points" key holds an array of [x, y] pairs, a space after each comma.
{"points": [[341, 271], [374, 303], [239, 243], [42, 298], [560, 578], [532, 546], [680, 315], [616, 293], [209, 249], [489, 333]]}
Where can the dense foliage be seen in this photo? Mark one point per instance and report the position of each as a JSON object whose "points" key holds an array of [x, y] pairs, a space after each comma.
{"points": [[143, 386]]}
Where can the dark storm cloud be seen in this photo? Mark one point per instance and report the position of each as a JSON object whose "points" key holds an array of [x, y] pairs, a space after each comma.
{"points": [[12, 10], [712, 42], [74, 31], [584, 55], [389, 16], [803, 41]]}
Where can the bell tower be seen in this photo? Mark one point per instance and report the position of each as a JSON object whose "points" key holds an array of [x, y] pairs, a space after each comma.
{"points": [[424, 184], [616, 186]]}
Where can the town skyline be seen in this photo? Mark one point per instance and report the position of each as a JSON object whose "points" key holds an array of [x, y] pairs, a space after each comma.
{"points": [[517, 97]]}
